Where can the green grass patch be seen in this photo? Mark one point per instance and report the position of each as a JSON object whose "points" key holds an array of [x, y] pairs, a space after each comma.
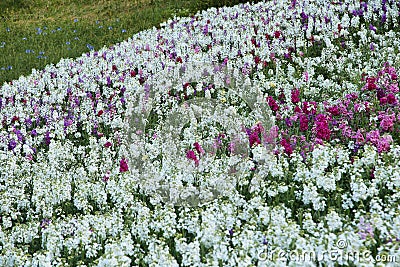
{"points": [[35, 33]]}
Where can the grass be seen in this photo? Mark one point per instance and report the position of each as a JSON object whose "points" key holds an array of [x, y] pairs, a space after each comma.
{"points": [[34, 33]]}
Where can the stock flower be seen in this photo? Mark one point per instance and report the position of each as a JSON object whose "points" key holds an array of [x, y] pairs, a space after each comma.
{"points": [[192, 156], [391, 98], [272, 103], [123, 165], [303, 123], [387, 122], [384, 142], [295, 96], [334, 110], [365, 229], [99, 86], [12, 144], [47, 138], [198, 148], [373, 137], [309, 107], [254, 139], [322, 127], [288, 148], [371, 83]]}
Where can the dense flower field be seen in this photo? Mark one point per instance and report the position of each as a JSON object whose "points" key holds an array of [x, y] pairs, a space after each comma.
{"points": [[257, 135]]}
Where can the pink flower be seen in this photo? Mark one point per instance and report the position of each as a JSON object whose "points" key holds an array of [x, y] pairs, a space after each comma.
{"points": [[359, 136], [387, 122], [108, 144], [271, 135], [384, 143], [231, 147], [305, 76], [373, 137], [393, 88], [123, 165]]}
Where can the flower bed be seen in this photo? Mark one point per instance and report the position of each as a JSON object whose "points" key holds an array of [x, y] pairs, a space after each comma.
{"points": [[263, 134]]}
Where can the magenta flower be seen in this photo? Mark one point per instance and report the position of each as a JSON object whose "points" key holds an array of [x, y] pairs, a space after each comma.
{"points": [[272, 103], [391, 98], [322, 127], [303, 123], [371, 84], [192, 156], [297, 109], [295, 96], [383, 100], [254, 139], [309, 107], [288, 149], [198, 148], [123, 165], [334, 110]]}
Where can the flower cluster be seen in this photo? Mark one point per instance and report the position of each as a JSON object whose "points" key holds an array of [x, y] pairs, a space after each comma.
{"points": [[94, 157]]}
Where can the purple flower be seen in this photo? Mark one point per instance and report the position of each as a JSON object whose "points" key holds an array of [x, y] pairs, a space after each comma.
{"points": [[28, 121], [231, 232], [47, 138], [372, 47], [372, 28], [364, 5], [365, 229], [67, 122], [288, 122], [45, 222], [12, 144]]}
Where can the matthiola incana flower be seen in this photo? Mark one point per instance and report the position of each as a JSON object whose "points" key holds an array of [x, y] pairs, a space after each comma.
{"points": [[123, 165], [246, 131]]}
